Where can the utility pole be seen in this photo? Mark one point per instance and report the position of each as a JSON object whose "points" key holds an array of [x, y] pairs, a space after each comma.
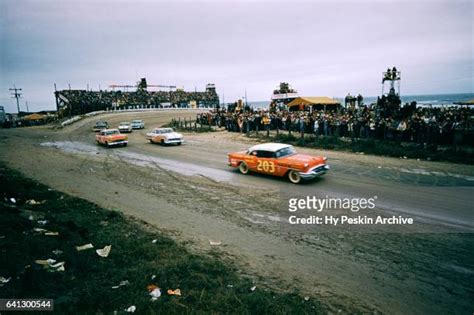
{"points": [[16, 94], [56, 97], [27, 109]]}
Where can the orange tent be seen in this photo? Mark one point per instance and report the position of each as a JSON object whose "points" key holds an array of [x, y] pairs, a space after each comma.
{"points": [[304, 101]]}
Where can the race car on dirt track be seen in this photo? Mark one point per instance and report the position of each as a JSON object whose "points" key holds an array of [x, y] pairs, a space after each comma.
{"points": [[164, 136], [100, 125], [111, 137], [279, 160], [138, 124], [125, 126]]}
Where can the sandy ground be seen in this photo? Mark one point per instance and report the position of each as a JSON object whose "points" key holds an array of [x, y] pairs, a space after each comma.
{"points": [[189, 191]]}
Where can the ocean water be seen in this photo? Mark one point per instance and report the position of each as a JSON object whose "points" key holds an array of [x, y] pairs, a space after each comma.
{"points": [[421, 100]]}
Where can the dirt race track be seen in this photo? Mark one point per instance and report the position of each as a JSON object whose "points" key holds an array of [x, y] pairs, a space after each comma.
{"points": [[190, 192]]}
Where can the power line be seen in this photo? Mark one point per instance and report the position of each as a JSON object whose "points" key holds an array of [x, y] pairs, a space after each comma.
{"points": [[16, 94]]}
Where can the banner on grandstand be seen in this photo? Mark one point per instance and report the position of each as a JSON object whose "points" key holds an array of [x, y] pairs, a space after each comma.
{"points": [[63, 98], [284, 96]]}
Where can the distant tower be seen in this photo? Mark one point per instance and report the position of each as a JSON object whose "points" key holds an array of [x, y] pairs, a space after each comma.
{"points": [[211, 87], [142, 85], [393, 77]]}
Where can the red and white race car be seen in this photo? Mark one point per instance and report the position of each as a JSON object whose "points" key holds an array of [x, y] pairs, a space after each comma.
{"points": [[111, 137], [279, 160]]}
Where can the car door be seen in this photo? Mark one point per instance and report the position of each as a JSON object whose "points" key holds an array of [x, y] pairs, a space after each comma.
{"points": [[101, 137], [160, 136], [251, 160], [265, 162]]}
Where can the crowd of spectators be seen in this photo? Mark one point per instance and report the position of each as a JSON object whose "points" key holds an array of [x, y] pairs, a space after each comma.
{"points": [[409, 124], [83, 101]]}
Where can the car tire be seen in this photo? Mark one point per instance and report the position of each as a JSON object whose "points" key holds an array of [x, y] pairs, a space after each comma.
{"points": [[179, 143], [243, 168], [125, 144], [107, 144], [162, 142], [151, 141], [294, 177]]}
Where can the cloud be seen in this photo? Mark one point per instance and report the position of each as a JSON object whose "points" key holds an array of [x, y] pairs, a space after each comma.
{"points": [[322, 48]]}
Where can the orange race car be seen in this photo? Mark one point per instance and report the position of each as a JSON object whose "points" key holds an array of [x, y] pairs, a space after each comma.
{"points": [[111, 137], [280, 160]]}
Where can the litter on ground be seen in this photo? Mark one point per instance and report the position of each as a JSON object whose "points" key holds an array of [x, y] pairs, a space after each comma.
{"points": [[131, 309], [57, 252], [155, 294], [215, 243], [154, 291], [121, 284], [104, 252], [45, 232], [51, 264], [84, 247], [3, 280], [174, 292], [33, 202]]}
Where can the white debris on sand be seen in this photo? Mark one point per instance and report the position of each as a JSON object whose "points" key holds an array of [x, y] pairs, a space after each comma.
{"points": [[104, 252], [84, 247]]}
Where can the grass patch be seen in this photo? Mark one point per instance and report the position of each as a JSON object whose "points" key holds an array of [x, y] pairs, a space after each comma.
{"points": [[208, 285]]}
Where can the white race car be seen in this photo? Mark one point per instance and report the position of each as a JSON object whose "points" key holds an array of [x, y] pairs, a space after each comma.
{"points": [[125, 127], [138, 124], [164, 136]]}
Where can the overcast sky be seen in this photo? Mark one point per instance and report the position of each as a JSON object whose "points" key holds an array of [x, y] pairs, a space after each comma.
{"points": [[321, 48]]}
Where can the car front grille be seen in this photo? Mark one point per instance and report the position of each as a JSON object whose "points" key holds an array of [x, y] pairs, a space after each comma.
{"points": [[319, 169]]}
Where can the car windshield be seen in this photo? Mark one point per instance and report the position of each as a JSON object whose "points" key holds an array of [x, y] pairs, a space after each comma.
{"points": [[101, 123], [124, 124], [164, 130], [285, 152], [111, 132], [137, 121]]}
